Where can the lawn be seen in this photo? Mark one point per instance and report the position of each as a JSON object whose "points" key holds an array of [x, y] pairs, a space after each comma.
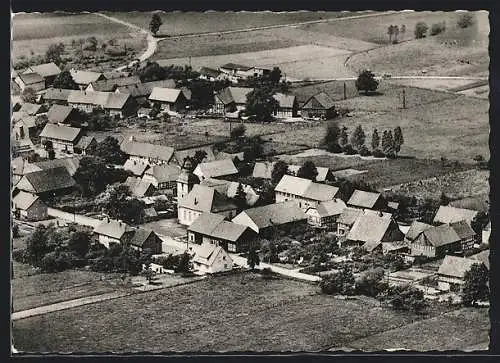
{"points": [[227, 313]]}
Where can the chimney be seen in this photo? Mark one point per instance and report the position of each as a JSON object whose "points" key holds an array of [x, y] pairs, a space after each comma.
{"points": [[380, 214], [120, 223], [195, 201], [107, 219]]}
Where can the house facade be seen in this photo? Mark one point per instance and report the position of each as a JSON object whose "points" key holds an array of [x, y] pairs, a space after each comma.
{"points": [[210, 259], [29, 207], [230, 100], [325, 215], [374, 228], [163, 177], [63, 138], [346, 220], [168, 99], [144, 239], [452, 271], [146, 153], [112, 231], [48, 71], [436, 242], [30, 80], [320, 105], [287, 106]]}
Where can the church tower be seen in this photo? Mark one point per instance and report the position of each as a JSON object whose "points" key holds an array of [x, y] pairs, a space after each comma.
{"points": [[186, 179]]}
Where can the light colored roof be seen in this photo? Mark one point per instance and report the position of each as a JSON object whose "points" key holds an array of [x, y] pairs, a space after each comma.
{"points": [[164, 173], [363, 199], [207, 253], [223, 155], [49, 180], [483, 256], [27, 121], [285, 101], [147, 150], [275, 214], [229, 231], [239, 94], [371, 245], [84, 77], [138, 187], [332, 207], [24, 200], [110, 85], [21, 166], [463, 230], [85, 142], [322, 100], [107, 100], [236, 67], [59, 113], [116, 101], [60, 132], [206, 223], [349, 216], [440, 236], [180, 155], [30, 108], [447, 214], [320, 192], [370, 227], [216, 168], [31, 78], [145, 89], [56, 94], [71, 164], [205, 199], [113, 229], [46, 70], [306, 188], [169, 95], [136, 167], [415, 229], [230, 188], [19, 115], [479, 203], [455, 266]]}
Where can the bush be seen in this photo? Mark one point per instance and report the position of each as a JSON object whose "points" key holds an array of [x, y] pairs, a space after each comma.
{"points": [[438, 28], [364, 151], [266, 273], [349, 150], [341, 282], [238, 131], [371, 283], [15, 230], [465, 21], [19, 256], [57, 261], [406, 298], [378, 153], [421, 30]]}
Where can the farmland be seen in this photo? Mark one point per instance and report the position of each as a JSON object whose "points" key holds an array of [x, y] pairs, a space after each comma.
{"points": [[268, 315]]}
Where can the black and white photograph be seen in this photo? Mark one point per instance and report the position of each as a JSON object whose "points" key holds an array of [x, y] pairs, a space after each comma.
{"points": [[249, 181]]}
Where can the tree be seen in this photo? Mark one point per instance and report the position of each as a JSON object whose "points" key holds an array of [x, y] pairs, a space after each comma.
{"points": [[275, 75], [371, 283], [99, 121], [149, 274], [15, 230], [269, 251], [198, 158], [398, 139], [93, 175], [390, 32], [308, 171], [403, 30], [65, 80], [119, 205], [280, 168], [341, 282], [79, 243], [155, 23], [252, 148], [406, 298], [438, 28], [110, 151], [344, 139], [261, 104], [421, 30], [366, 82], [184, 265], [238, 131], [475, 287], [466, 20], [396, 34], [28, 95], [253, 258], [240, 198], [152, 72], [37, 245], [479, 222], [54, 52], [388, 144], [375, 140], [51, 154], [331, 139], [358, 138]]}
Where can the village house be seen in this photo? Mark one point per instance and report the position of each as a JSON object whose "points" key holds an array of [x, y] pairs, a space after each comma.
{"points": [[215, 169], [263, 170], [230, 189], [367, 200], [145, 239], [139, 188], [210, 259], [137, 168], [203, 200], [111, 85], [70, 163], [30, 80], [452, 271], [20, 167], [141, 91], [29, 207], [373, 227], [63, 138], [238, 71], [325, 214], [264, 220], [466, 234], [213, 229], [56, 96], [168, 99], [305, 191], [163, 177], [32, 109], [181, 155], [209, 74], [22, 147], [59, 114], [415, 229], [235, 157], [48, 71], [84, 78], [483, 257], [25, 128], [346, 220], [113, 231], [116, 104], [47, 183], [85, 145], [447, 214], [287, 106], [147, 153], [230, 100], [186, 180], [320, 105]]}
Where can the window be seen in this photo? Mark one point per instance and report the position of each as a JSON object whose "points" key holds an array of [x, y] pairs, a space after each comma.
{"points": [[225, 265], [224, 258]]}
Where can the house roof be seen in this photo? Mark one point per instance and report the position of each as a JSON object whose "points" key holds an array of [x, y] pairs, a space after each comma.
{"points": [[107, 100], [186, 92], [447, 214], [205, 199], [207, 253], [136, 167], [113, 229], [229, 231], [147, 150], [363, 199], [217, 168], [463, 230], [24, 200], [370, 227], [26, 121], [306, 188], [349, 216], [210, 72], [441, 235], [206, 223], [140, 236], [169, 95], [110, 85], [415, 229], [46, 70], [332, 207], [85, 77], [59, 113], [483, 256], [31, 78], [229, 95], [321, 192], [164, 173], [180, 155], [223, 155], [236, 67], [30, 108], [116, 101], [60, 132], [230, 188], [478, 203], [22, 144], [138, 187], [71, 164], [50, 179], [370, 246], [145, 89], [56, 94], [85, 142], [325, 102], [275, 214], [284, 100], [21, 166], [455, 266], [19, 115]]}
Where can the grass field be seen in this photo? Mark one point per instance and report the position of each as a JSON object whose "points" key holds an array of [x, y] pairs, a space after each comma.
{"points": [[279, 315]]}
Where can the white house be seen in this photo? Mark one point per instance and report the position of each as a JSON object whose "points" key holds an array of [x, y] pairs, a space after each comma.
{"points": [[112, 231], [210, 259], [452, 271], [169, 99], [63, 138], [326, 213], [447, 214], [146, 153]]}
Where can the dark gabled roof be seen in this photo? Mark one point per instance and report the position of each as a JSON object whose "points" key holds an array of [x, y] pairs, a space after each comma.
{"points": [[138, 187], [228, 231], [60, 132], [164, 173], [71, 164], [50, 179], [463, 230], [140, 236], [479, 203], [229, 95], [325, 102], [59, 113], [363, 199], [145, 89], [206, 223], [274, 214], [205, 71], [236, 67], [31, 78], [85, 142], [110, 85], [46, 70], [56, 94], [440, 236], [415, 229]]}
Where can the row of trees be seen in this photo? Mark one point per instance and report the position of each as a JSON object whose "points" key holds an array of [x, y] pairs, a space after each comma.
{"points": [[421, 28], [393, 31]]}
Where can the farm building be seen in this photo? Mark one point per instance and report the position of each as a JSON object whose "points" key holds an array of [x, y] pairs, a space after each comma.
{"points": [[30, 80], [136, 167], [20, 167], [263, 170], [447, 214], [366, 200], [145, 239], [325, 214], [306, 192], [32, 109], [346, 220], [45, 183], [84, 78], [374, 227], [230, 188], [231, 99], [48, 71], [239, 71], [181, 155], [163, 177], [59, 114], [26, 128], [57, 96], [141, 91], [139, 188], [483, 257], [287, 106], [415, 229], [213, 229], [29, 207], [203, 200], [111, 85], [214, 169], [235, 157], [112, 231], [209, 74], [147, 153], [71, 164], [116, 104], [440, 240], [480, 203], [320, 105], [466, 234], [168, 99], [263, 220], [22, 147], [85, 144], [452, 271], [63, 138], [210, 259]]}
